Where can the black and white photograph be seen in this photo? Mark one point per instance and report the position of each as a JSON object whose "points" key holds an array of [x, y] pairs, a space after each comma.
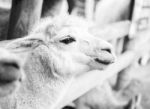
{"points": [[74, 54]]}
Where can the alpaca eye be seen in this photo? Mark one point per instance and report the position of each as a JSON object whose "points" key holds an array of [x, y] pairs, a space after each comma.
{"points": [[68, 39]]}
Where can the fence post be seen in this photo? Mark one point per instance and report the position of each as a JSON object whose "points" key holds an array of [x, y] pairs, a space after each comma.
{"points": [[24, 14], [123, 78]]}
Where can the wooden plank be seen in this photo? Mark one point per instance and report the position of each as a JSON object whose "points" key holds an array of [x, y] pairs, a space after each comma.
{"points": [[24, 14], [123, 77], [89, 9]]}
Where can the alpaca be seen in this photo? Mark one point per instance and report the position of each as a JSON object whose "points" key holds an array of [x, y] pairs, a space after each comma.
{"points": [[11, 73], [58, 49]]}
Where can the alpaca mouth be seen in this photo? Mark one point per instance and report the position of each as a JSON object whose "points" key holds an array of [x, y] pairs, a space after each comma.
{"points": [[105, 62], [4, 83], [10, 77], [8, 87], [105, 58]]}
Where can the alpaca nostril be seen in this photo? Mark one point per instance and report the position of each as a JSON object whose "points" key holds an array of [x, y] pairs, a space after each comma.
{"points": [[107, 49]]}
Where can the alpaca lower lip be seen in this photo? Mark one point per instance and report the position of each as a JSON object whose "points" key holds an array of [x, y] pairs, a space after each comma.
{"points": [[8, 81], [8, 88], [5, 82], [105, 58], [102, 61]]}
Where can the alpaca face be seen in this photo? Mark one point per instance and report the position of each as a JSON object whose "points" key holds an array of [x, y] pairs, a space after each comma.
{"points": [[11, 74], [70, 46], [75, 50]]}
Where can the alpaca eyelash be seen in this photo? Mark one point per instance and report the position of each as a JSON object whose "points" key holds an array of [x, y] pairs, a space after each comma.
{"points": [[68, 40]]}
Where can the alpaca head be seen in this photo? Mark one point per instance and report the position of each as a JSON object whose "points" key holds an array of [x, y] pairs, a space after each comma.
{"points": [[72, 48], [11, 74], [69, 45]]}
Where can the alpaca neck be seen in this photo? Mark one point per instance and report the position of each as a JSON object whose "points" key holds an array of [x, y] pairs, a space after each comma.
{"points": [[41, 89]]}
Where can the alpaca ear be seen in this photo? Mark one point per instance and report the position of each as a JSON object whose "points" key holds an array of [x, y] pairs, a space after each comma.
{"points": [[111, 31], [25, 44]]}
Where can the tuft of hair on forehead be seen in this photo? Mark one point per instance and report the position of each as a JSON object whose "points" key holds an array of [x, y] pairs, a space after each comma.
{"points": [[50, 26]]}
